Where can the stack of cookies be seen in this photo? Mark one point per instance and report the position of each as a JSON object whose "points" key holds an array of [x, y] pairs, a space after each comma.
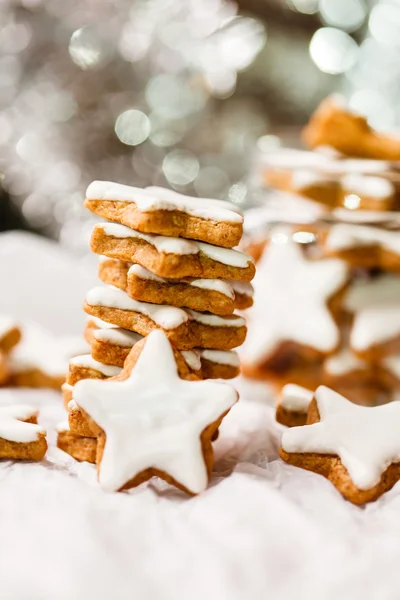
{"points": [[327, 304], [167, 263]]}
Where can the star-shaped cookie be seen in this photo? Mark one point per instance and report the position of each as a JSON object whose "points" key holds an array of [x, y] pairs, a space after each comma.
{"points": [[356, 447], [149, 421], [291, 301]]}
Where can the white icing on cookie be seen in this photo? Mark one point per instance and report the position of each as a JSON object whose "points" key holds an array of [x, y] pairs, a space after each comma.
{"points": [[14, 430], [142, 273], [62, 427], [241, 287], [100, 323], [6, 324], [345, 236], [86, 361], [168, 245], [372, 326], [376, 307], [192, 359], [304, 178], [117, 336], [233, 258], [216, 285], [167, 317], [342, 363], [366, 439], [154, 421], [392, 364], [157, 198], [220, 357], [45, 352], [366, 216], [295, 398], [171, 245], [290, 301], [216, 320], [366, 186]]}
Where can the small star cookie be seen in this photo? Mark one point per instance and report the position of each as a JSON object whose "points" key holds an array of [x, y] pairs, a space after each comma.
{"points": [[356, 447], [21, 438], [292, 304], [150, 422]]}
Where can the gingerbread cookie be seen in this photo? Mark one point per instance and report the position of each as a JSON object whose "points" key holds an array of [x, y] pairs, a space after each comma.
{"points": [[171, 257], [21, 438], [41, 359], [292, 320], [66, 391], [292, 406], [79, 447], [356, 447], [213, 295], [86, 367], [167, 422], [333, 124], [10, 333], [367, 193], [363, 246], [185, 328], [375, 308], [165, 212]]}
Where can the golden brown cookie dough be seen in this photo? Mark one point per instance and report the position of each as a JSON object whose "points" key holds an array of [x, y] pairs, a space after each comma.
{"points": [[333, 124], [330, 465], [205, 295], [185, 336], [172, 264], [205, 438], [175, 223], [79, 447]]}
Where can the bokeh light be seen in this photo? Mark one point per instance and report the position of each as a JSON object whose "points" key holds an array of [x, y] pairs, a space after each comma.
{"points": [[346, 14], [180, 167], [333, 50], [132, 127]]}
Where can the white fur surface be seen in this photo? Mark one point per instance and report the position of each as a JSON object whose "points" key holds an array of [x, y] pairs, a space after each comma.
{"points": [[263, 530]]}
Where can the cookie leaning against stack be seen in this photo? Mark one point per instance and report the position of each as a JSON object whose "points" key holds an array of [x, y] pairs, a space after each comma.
{"points": [[168, 265]]}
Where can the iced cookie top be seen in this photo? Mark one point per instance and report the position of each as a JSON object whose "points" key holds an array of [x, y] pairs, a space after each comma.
{"points": [[154, 422], [157, 198], [13, 428], [366, 439]]}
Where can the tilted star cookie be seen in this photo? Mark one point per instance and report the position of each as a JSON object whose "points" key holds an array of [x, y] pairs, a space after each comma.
{"points": [[150, 422], [292, 305], [21, 438], [356, 447]]}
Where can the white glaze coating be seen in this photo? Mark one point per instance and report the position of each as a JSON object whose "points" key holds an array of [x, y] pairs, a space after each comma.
{"points": [[117, 336], [392, 364], [156, 198], [366, 216], [216, 285], [342, 363], [192, 359], [49, 354], [171, 245], [367, 186], [167, 317], [345, 236], [154, 421], [304, 178], [383, 290], [100, 323], [372, 326], [86, 361], [13, 429], [220, 357], [215, 320], [290, 301], [295, 398], [366, 439], [6, 324], [168, 245], [241, 287]]}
